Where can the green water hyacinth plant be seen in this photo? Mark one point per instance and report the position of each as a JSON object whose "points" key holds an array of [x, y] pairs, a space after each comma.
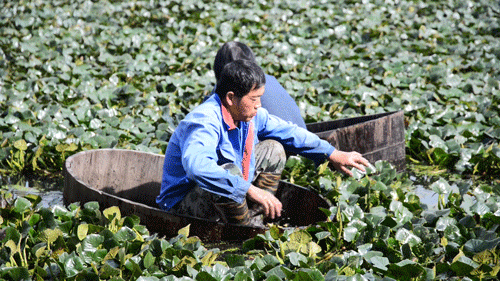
{"points": [[398, 237], [123, 74], [81, 242], [79, 75], [376, 229]]}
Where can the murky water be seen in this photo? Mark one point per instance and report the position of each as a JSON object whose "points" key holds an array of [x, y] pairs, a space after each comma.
{"points": [[427, 196], [50, 190]]}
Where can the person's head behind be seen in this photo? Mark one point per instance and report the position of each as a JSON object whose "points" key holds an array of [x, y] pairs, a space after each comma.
{"points": [[240, 77], [229, 52]]}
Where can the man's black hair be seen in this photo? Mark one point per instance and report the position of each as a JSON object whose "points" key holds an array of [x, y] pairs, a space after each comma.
{"points": [[229, 52], [240, 77]]}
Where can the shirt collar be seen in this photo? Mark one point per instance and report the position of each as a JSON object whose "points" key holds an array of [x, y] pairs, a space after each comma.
{"points": [[226, 115]]}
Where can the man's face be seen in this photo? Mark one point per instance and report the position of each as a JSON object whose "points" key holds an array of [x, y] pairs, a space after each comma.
{"points": [[245, 108]]}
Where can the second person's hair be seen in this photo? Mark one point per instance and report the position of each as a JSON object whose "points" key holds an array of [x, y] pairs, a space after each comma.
{"points": [[229, 52]]}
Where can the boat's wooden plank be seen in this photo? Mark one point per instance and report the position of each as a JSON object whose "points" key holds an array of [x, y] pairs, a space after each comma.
{"points": [[377, 137]]}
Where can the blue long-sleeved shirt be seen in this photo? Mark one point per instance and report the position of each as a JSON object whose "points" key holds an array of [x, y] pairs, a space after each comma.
{"points": [[205, 140]]}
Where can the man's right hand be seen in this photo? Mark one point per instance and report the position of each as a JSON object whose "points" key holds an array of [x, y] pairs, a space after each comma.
{"points": [[272, 206]]}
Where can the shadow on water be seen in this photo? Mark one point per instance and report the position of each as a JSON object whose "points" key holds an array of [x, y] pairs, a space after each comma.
{"points": [[49, 189]]}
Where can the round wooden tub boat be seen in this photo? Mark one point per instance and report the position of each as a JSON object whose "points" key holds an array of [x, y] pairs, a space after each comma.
{"points": [[131, 180], [378, 136]]}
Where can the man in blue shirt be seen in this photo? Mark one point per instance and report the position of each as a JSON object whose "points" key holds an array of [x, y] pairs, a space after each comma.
{"points": [[275, 99], [230, 149]]}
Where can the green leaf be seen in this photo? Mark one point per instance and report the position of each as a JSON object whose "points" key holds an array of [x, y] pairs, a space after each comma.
{"points": [[444, 222], [380, 262], [406, 270], [112, 213], [463, 265], [309, 274], [21, 205], [92, 242], [149, 260], [125, 234], [477, 245], [93, 205], [16, 273], [73, 265], [21, 145], [51, 235], [108, 271], [350, 234], [82, 231], [235, 260], [184, 231], [296, 258]]}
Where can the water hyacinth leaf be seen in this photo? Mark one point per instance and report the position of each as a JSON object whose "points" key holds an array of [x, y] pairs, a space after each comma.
{"points": [[401, 214], [463, 265], [353, 212], [325, 183], [158, 246], [132, 264], [112, 213], [350, 234], [125, 234], [480, 208], [21, 145], [148, 260], [184, 231], [21, 205], [92, 242], [33, 220], [268, 262], [51, 235], [405, 236], [322, 235], [452, 232], [12, 246], [444, 222], [358, 224], [274, 231], [92, 205], [108, 271], [441, 186], [309, 274], [16, 273], [379, 262], [82, 231], [61, 212], [296, 258], [72, 264], [275, 274], [406, 270], [379, 186], [437, 142], [100, 255], [218, 271], [477, 245], [209, 257], [235, 260]]}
